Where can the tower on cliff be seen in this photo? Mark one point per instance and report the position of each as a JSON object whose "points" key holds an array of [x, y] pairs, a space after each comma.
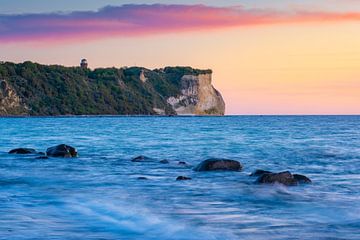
{"points": [[84, 64]]}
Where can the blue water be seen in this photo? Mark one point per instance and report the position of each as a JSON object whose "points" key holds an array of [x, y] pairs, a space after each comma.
{"points": [[99, 195]]}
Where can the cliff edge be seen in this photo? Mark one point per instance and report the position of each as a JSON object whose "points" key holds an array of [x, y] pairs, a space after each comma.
{"points": [[41, 90], [198, 96]]}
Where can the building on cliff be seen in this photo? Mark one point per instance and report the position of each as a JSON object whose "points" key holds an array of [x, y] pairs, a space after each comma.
{"points": [[84, 64]]}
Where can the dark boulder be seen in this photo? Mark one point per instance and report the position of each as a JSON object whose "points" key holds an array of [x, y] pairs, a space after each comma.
{"points": [[22, 151], [182, 178], [140, 159], [301, 178], [218, 165], [285, 178], [61, 150], [182, 163], [142, 178], [164, 161], [258, 173]]}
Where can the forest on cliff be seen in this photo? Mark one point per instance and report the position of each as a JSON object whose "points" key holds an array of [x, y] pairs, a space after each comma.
{"points": [[58, 90]]}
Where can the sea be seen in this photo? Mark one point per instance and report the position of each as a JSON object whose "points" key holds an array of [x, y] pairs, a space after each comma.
{"points": [[102, 194]]}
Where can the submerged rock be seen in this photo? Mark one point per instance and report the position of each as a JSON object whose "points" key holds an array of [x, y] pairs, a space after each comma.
{"points": [[140, 158], [22, 151], [182, 163], [61, 150], [164, 161], [42, 157], [219, 165], [142, 178], [182, 178], [285, 178], [259, 172]]}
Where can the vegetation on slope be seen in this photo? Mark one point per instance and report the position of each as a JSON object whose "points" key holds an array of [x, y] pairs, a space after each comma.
{"points": [[59, 90]]}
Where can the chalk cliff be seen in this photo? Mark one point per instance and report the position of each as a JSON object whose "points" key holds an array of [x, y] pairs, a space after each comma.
{"points": [[40, 90], [10, 103], [198, 96]]}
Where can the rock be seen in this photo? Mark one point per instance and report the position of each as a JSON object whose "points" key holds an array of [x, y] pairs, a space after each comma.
{"points": [[182, 178], [258, 172], [164, 161], [302, 178], [22, 151], [182, 163], [142, 178], [140, 159], [218, 164], [42, 157], [62, 150], [285, 178]]}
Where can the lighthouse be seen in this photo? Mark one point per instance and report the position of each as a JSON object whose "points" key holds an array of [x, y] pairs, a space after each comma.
{"points": [[84, 64]]}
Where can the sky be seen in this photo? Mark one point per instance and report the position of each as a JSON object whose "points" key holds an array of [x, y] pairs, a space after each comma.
{"points": [[268, 57]]}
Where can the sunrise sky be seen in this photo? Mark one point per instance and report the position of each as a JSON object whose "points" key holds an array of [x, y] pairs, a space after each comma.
{"points": [[268, 57]]}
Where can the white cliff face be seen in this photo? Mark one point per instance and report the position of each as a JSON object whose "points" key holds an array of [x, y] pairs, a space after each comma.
{"points": [[142, 76], [198, 97], [9, 101]]}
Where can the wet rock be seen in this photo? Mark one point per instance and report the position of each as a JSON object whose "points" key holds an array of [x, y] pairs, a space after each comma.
{"points": [[301, 178], [182, 178], [219, 165], [140, 159], [164, 161], [182, 163], [285, 178], [61, 150], [142, 178], [258, 173], [22, 151]]}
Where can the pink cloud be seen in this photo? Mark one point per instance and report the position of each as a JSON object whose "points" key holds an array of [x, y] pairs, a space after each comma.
{"points": [[139, 20]]}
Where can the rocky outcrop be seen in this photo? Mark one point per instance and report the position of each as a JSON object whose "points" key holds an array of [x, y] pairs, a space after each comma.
{"points": [[182, 178], [259, 172], [301, 178], [218, 165], [142, 76], [198, 97], [61, 150], [285, 178], [140, 159], [10, 103], [22, 151]]}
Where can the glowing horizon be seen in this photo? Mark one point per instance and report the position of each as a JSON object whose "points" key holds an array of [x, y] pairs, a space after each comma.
{"points": [[265, 61]]}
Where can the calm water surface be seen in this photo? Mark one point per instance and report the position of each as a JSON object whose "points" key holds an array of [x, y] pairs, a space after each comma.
{"points": [[99, 196]]}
